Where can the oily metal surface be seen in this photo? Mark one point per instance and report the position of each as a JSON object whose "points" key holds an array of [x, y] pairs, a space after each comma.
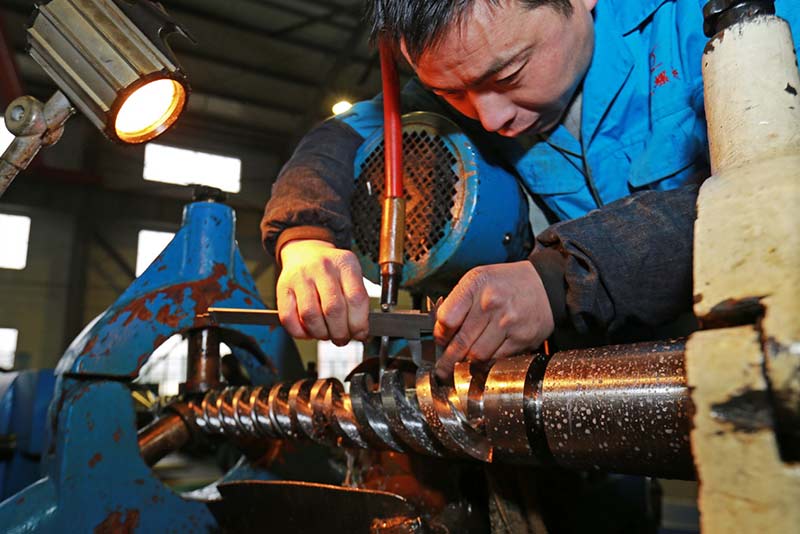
{"points": [[404, 415], [280, 412], [509, 406], [439, 405], [622, 408], [369, 414]]}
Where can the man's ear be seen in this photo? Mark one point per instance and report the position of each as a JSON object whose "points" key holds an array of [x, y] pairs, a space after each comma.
{"points": [[589, 4], [404, 51]]}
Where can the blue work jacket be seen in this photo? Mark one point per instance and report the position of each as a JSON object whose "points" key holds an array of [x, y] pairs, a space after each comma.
{"points": [[642, 120]]}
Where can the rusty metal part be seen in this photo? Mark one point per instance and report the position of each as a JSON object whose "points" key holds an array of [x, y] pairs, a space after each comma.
{"points": [[203, 363], [622, 408], [163, 436], [35, 125], [391, 253], [393, 225]]}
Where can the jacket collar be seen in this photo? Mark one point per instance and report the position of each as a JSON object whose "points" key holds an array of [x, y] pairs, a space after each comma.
{"points": [[630, 15], [610, 68]]}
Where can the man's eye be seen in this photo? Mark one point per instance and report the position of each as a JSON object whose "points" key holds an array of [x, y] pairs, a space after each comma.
{"points": [[510, 79]]}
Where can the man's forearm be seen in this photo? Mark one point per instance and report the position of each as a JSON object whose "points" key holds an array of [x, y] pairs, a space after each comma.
{"points": [[630, 261], [313, 189]]}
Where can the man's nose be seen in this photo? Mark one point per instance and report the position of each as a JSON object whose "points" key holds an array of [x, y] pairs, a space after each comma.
{"points": [[495, 111]]}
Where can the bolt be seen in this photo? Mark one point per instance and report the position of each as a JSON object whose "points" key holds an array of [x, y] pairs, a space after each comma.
{"points": [[17, 113]]}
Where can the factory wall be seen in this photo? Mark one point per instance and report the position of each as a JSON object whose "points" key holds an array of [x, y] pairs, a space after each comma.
{"points": [[87, 202]]}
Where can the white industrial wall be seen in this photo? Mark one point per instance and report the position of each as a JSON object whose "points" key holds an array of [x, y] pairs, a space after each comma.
{"points": [[69, 277]]}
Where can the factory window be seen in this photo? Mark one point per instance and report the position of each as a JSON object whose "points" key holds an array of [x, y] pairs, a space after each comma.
{"points": [[150, 246], [183, 167], [373, 290], [8, 347], [5, 136], [167, 366], [337, 362], [14, 233]]}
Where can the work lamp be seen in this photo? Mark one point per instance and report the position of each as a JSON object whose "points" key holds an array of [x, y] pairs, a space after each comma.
{"points": [[110, 60]]}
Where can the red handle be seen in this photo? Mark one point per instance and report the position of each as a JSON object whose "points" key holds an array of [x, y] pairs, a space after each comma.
{"points": [[392, 126]]}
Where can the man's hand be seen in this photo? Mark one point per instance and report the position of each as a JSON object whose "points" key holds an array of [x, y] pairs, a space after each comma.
{"points": [[494, 311], [321, 292]]}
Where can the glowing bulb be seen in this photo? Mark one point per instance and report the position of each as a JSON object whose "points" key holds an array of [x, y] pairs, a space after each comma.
{"points": [[150, 110], [341, 107]]}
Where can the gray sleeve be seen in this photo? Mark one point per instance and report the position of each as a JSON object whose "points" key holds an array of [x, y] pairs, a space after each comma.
{"points": [[314, 187], [627, 263]]}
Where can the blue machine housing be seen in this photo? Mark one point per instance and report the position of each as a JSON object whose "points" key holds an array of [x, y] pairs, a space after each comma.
{"points": [[24, 397], [94, 479], [478, 209]]}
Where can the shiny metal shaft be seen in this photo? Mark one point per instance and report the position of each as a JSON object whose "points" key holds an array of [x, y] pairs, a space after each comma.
{"points": [[622, 409]]}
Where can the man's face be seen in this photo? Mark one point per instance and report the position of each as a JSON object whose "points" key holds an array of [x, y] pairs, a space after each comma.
{"points": [[513, 68]]}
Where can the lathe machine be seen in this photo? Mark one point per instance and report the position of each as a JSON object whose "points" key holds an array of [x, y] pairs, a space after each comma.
{"points": [[722, 406]]}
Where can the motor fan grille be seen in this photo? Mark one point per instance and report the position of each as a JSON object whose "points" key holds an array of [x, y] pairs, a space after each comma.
{"points": [[430, 190]]}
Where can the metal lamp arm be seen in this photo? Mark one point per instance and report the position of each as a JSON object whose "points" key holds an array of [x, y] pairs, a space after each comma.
{"points": [[34, 125]]}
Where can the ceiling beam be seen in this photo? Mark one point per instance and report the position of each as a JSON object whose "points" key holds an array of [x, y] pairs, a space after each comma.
{"points": [[271, 106], [306, 22], [218, 17], [193, 52], [266, 72], [287, 8]]}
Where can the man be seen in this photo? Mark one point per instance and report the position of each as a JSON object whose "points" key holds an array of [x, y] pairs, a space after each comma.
{"points": [[598, 100]]}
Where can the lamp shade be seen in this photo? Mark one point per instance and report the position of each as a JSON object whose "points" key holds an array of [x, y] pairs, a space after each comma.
{"points": [[110, 58]]}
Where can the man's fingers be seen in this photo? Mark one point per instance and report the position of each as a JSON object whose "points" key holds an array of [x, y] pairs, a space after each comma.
{"points": [[444, 368], [460, 344], [287, 311], [310, 312], [334, 309], [453, 311], [488, 343], [357, 303]]}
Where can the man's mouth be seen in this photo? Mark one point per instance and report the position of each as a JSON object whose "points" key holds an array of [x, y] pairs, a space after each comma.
{"points": [[533, 129]]}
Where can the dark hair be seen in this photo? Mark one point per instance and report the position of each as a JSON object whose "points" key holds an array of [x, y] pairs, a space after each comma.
{"points": [[422, 23]]}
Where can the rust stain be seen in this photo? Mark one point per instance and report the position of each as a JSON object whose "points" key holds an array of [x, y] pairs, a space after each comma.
{"points": [[164, 317], [139, 312], [117, 435], [116, 523], [89, 346], [248, 301], [203, 292], [162, 268], [734, 312], [94, 460], [139, 482], [748, 412]]}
